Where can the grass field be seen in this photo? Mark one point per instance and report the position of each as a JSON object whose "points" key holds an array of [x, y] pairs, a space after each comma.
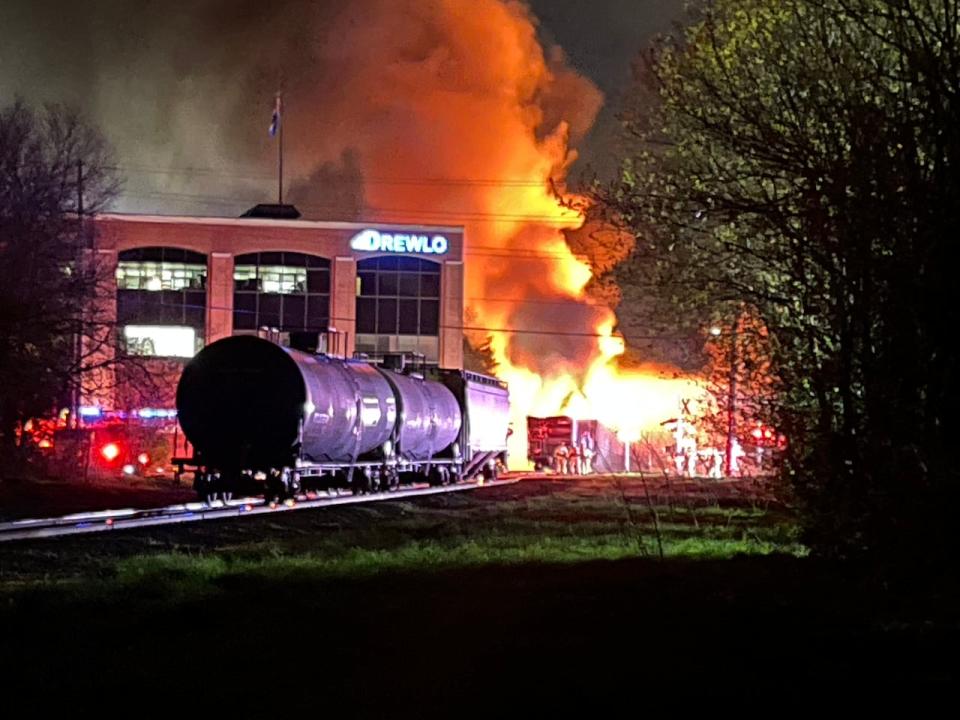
{"points": [[557, 590], [556, 521]]}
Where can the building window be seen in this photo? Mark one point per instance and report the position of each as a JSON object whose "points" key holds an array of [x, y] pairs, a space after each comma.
{"points": [[161, 301], [398, 306], [284, 290]]}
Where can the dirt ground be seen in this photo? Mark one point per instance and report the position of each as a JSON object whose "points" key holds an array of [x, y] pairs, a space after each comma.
{"points": [[21, 498]]}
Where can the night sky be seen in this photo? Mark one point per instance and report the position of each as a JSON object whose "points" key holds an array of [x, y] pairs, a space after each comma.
{"points": [[149, 72], [601, 39]]}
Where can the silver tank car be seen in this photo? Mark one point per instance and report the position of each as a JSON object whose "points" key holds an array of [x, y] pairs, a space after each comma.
{"points": [[429, 416], [248, 404], [349, 411]]}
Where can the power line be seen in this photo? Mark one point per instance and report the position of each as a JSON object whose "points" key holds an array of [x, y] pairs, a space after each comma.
{"points": [[506, 252], [469, 328], [369, 180], [565, 220]]}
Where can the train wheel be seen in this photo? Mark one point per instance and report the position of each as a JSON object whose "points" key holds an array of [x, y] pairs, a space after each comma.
{"points": [[392, 479], [360, 485], [274, 490], [200, 485]]}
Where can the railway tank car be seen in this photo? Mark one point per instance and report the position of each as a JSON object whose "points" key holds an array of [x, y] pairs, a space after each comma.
{"points": [[255, 411]]}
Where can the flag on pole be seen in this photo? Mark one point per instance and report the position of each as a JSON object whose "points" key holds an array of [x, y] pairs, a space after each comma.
{"points": [[275, 121]]}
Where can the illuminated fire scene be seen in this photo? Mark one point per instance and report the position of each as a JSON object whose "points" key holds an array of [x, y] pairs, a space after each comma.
{"points": [[388, 358]]}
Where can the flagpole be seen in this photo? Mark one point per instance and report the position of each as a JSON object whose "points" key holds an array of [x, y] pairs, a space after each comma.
{"points": [[280, 149]]}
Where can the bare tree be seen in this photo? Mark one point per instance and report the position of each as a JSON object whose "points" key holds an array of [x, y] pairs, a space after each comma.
{"points": [[56, 326]]}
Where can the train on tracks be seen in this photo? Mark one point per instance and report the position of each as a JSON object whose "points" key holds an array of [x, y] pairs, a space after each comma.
{"points": [[270, 419]]}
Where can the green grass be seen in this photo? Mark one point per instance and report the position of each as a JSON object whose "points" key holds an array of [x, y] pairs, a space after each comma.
{"points": [[429, 540], [563, 525]]}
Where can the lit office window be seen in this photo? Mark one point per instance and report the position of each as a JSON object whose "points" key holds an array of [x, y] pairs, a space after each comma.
{"points": [[159, 287], [285, 290], [398, 305]]}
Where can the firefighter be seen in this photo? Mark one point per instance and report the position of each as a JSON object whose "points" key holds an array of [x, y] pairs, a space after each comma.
{"points": [[716, 468], [679, 453], [690, 454], [586, 454], [736, 453], [574, 460], [560, 459]]}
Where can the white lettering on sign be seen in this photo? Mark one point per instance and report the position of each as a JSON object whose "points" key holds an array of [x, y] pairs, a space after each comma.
{"points": [[376, 241]]}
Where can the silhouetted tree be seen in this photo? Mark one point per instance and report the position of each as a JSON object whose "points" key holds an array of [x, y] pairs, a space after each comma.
{"points": [[477, 348], [54, 328]]}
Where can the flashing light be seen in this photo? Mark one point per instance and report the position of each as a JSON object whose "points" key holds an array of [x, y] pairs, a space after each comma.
{"points": [[143, 459], [149, 413], [45, 443], [757, 433], [109, 521], [90, 411], [129, 469], [110, 451]]}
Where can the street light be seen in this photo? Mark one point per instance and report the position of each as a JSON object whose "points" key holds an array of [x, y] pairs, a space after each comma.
{"points": [[732, 399], [716, 332]]}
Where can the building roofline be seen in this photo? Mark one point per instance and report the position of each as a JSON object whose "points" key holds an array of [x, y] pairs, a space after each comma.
{"points": [[269, 222]]}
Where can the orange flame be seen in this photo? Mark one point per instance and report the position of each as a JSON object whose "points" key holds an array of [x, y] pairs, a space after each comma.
{"points": [[457, 115]]}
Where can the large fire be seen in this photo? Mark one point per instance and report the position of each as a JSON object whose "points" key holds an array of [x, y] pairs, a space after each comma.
{"points": [[456, 114]]}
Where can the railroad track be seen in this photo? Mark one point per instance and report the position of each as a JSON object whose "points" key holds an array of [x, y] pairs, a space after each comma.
{"points": [[108, 520]]}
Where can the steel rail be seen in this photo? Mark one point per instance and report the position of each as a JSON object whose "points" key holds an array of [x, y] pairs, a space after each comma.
{"points": [[129, 518]]}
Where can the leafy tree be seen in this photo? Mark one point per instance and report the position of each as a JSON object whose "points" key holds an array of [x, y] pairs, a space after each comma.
{"points": [[54, 169], [802, 158]]}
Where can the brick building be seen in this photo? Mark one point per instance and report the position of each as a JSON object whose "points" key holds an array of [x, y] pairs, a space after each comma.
{"points": [[183, 282]]}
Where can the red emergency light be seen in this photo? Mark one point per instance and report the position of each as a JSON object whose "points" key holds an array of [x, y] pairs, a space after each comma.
{"points": [[110, 451]]}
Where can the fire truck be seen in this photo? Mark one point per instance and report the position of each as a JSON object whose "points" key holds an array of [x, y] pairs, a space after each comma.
{"points": [[545, 435], [104, 444]]}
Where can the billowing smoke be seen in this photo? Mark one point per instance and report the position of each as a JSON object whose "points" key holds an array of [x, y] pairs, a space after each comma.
{"points": [[432, 111]]}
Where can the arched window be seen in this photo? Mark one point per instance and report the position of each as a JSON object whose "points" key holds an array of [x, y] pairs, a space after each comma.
{"points": [[289, 291], [398, 305], [161, 301]]}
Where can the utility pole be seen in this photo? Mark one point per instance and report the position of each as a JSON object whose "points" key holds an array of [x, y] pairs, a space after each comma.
{"points": [[732, 395], [80, 191], [280, 150], [276, 128], [74, 385]]}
